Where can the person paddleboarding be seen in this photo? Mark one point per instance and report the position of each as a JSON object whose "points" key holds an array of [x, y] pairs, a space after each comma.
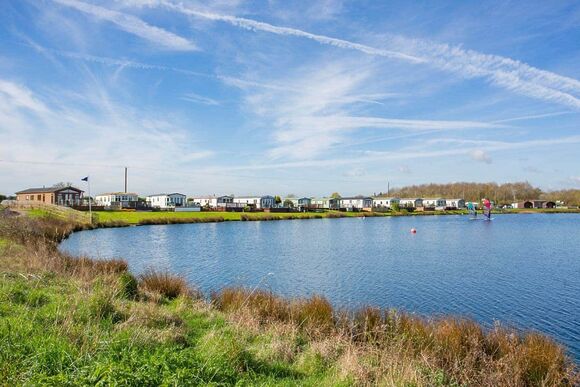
{"points": [[487, 209], [471, 209]]}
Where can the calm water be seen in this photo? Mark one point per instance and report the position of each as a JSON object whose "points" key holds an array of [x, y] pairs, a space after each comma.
{"points": [[523, 270]]}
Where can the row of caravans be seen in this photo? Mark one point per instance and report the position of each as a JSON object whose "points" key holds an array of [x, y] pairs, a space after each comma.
{"points": [[328, 203], [180, 201]]}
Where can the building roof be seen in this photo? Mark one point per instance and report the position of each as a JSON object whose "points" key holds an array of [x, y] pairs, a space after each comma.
{"points": [[47, 190], [254, 197], [212, 197], [166, 194], [356, 198], [118, 193]]}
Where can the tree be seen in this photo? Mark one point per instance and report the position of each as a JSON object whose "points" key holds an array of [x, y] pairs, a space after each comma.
{"points": [[288, 203], [500, 193], [395, 207], [291, 195], [277, 199], [335, 195], [62, 184], [3, 197]]}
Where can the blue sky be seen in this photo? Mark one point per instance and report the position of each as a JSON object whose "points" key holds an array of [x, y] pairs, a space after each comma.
{"points": [[303, 97]]}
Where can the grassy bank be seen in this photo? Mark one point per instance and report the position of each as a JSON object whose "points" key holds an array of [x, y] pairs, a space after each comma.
{"points": [[72, 320], [128, 218], [133, 217]]}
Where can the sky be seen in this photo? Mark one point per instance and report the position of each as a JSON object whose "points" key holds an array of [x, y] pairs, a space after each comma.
{"points": [[278, 97]]}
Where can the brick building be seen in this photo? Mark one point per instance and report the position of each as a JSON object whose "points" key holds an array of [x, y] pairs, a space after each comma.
{"points": [[62, 196]]}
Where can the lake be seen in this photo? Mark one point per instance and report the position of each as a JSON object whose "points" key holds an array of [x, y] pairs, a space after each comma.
{"points": [[522, 270]]}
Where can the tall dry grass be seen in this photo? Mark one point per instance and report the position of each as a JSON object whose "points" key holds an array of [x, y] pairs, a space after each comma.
{"points": [[452, 349]]}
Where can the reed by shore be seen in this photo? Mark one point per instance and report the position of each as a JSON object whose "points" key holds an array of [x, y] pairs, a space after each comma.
{"points": [[74, 320]]}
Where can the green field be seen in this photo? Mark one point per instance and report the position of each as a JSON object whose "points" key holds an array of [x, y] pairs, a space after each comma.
{"points": [[135, 217]]}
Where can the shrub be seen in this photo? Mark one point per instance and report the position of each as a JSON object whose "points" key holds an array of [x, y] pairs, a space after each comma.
{"points": [[367, 324], [164, 283], [314, 313]]}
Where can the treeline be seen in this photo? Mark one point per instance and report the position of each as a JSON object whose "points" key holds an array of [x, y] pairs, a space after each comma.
{"points": [[500, 193], [570, 197]]}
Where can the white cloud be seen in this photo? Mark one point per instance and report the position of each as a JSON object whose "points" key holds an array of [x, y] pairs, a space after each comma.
{"points": [[14, 95], [196, 98], [254, 25], [480, 155], [410, 153], [133, 25], [105, 136], [326, 108], [503, 72]]}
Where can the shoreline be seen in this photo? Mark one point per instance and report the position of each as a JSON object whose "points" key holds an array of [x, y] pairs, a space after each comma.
{"points": [[108, 219]]}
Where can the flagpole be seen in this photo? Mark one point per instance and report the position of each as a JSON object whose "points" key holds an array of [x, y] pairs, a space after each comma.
{"points": [[90, 208]]}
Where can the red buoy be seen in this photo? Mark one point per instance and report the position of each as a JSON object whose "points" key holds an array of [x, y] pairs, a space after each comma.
{"points": [[413, 231]]}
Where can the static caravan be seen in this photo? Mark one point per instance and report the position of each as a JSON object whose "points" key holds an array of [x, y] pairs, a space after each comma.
{"points": [[438, 204], [166, 201], [266, 201], [326, 203], [455, 203], [357, 203], [304, 203], [117, 199], [411, 203], [214, 201], [384, 203]]}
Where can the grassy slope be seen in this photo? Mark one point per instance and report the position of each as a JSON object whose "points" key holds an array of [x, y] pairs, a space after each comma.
{"points": [[65, 320], [89, 337]]}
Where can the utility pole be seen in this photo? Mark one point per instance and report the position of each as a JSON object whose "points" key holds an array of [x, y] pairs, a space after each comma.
{"points": [[388, 188], [125, 179]]}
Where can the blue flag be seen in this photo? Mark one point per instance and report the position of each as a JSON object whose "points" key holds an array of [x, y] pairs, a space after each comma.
{"points": [[85, 178]]}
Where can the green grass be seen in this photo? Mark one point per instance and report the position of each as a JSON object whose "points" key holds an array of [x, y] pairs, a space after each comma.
{"points": [[134, 217], [38, 213], [52, 333], [3, 245]]}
